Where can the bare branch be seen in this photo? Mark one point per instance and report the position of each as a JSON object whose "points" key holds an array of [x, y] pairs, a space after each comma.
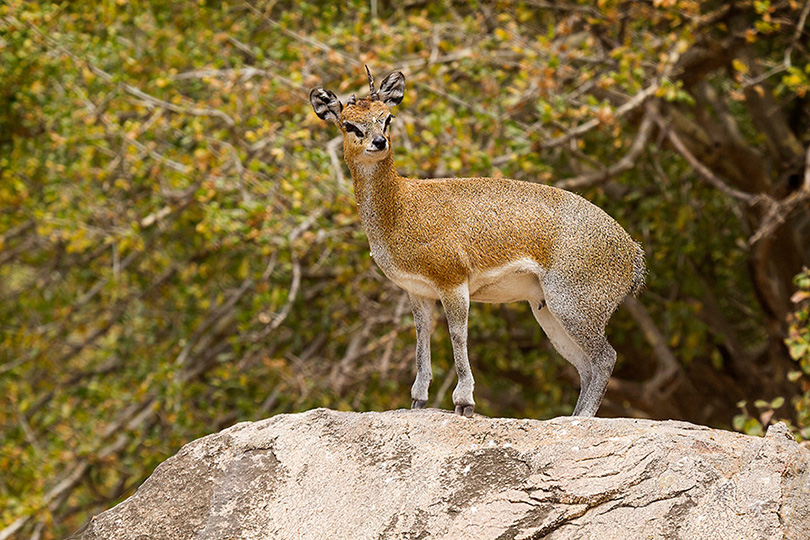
{"points": [[304, 39], [295, 282], [630, 105], [10, 253], [18, 230], [179, 167], [38, 530], [400, 310], [14, 526], [444, 388], [702, 170], [564, 7], [245, 74], [331, 148], [668, 372], [776, 211], [466, 104], [129, 420], [779, 211], [215, 316], [137, 92], [152, 100], [627, 162]]}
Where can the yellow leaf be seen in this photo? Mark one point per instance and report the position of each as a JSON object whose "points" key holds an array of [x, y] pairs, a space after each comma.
{"points": [[740, 66], [501, 34], [242, 273]]}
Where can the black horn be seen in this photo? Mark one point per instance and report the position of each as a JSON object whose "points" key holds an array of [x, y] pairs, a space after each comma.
{"points": [[374, 95]]}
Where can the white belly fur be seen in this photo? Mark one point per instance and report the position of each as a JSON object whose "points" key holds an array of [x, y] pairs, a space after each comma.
{"points": [[515, 281]]}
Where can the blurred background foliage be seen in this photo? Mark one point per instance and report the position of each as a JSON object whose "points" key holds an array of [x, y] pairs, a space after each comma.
{"points": [[179, 247]]}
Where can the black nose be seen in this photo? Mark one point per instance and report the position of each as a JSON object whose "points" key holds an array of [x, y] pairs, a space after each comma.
{"points": [[379, 142]]}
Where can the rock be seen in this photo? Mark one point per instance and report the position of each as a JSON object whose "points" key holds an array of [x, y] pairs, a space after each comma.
{"points": [[431, 474]]}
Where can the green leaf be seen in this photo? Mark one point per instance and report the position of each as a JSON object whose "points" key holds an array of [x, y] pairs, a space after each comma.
{"points": [[798, 349]]}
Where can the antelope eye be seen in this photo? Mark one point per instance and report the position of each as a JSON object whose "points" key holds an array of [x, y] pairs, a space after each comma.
{"points": [[388, 121], [353, 129]]}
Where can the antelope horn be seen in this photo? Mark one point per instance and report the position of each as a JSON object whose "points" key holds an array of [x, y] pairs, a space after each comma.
{"points": [[374, 95]]}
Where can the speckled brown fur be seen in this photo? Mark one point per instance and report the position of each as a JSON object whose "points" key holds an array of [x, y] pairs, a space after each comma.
{"points": [[486, 239]]}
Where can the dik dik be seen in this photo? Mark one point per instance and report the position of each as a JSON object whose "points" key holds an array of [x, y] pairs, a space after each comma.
{"points": [[485, 240]]}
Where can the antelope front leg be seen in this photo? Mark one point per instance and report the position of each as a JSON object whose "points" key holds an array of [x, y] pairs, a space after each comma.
{"points": [[423, 320], [456, 307]]}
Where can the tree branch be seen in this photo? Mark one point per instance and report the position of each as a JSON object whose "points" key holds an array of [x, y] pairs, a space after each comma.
{"points": [[630, 105], [295, 282], [668, 372], [702, 170], [779, 211], [627, 162], [132, 90], [129, 419]]}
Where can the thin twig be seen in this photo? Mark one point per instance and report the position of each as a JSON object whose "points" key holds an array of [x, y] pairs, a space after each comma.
{"points": [[630, 105], [787, 61], [443, 389], [130, 89], [152, 100], [702, 170], [295, 281], [668, 371], [627, 162], [779, 211], [53, 498], [331, 149], [402, 306]]}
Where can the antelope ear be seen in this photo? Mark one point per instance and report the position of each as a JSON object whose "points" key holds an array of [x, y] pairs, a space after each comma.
{"points": [[326, 105], [392, 89]]}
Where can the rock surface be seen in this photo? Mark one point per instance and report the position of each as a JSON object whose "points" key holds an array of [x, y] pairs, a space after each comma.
{"points": [[430, 474]]}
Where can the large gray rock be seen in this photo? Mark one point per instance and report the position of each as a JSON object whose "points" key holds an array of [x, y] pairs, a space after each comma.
{"points": [[431, 474]]}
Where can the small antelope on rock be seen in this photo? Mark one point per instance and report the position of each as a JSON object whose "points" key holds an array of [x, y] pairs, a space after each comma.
{"points": [[486, 240]]}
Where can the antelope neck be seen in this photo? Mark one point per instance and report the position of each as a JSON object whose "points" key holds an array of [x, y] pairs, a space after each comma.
{"points": [[377, 180], [376, 191], [381, 173]]}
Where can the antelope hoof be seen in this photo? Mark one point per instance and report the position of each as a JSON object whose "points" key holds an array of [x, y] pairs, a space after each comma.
{"points": [[465, 410], [418, 404]]}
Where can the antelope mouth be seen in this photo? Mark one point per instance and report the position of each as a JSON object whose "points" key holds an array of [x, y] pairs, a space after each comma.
{"points": [[376, 153]]}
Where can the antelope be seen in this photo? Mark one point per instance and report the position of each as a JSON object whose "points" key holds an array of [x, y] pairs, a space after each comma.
{"points": [[494, 240]]}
